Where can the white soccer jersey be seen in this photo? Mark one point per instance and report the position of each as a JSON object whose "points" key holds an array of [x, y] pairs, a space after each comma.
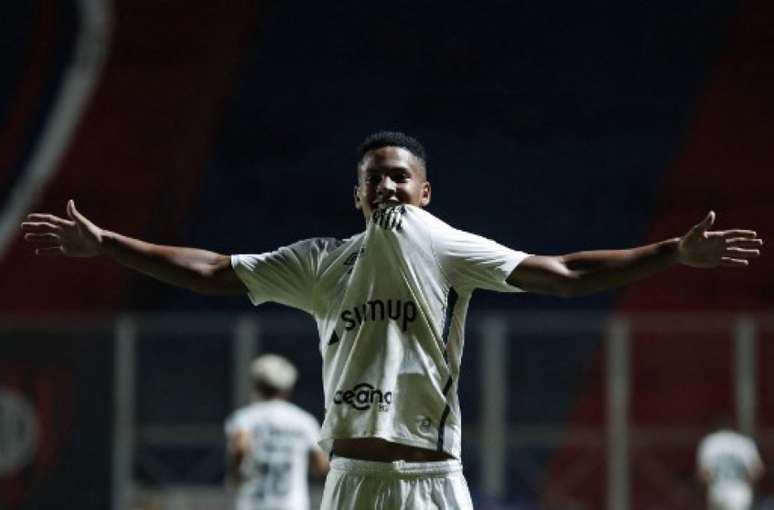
{"points": [[275, 471], [390, 306]]}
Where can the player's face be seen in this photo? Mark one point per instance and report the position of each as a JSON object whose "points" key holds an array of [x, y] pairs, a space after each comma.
{"points": [[390, 176]]}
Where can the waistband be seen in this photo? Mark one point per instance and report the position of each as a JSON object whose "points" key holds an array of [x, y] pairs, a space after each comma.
{"points": [[396, 469]]}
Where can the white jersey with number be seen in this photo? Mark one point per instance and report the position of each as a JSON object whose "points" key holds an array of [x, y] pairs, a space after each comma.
{"points": [[390, 306], [275, 469]]}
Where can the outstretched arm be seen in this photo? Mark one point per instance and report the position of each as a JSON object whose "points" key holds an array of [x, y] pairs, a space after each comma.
{"points": [[198, 270], [587, 272]]}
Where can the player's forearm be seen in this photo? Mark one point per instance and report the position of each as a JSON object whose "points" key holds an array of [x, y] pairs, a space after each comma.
{"points": [[593, 271], [189, 268], [233, 478], [233, 475]]}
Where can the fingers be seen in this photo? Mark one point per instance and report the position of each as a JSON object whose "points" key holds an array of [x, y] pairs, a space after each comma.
{"points": [[73, 213], [49, 239], [732, 262], [743, 252], [32, 227], [49, 251], [708, 221], [738, 233], [700, 229], [740, 246], [49, 218], [744, 242]]}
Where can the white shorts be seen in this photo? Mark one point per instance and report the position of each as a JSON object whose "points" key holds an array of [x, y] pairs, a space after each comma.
{"points": [[365, 485]]}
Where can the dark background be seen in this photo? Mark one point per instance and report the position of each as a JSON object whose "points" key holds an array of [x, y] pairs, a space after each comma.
{"points": [[550, 127]]}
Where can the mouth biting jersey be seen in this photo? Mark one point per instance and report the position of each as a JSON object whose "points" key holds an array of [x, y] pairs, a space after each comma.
{"points": [[384, 204]]}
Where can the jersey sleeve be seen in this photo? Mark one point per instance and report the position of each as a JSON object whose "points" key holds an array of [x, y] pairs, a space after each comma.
{"points": [[232, 424], [475, 262], [312, 431], [287, 275], [753, 462]]}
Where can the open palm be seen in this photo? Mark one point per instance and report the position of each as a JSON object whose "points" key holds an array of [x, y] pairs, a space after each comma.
{"points": [[701, 247], [52, 235]]}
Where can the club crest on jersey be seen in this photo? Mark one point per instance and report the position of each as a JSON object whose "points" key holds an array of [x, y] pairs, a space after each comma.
{"points": [[390, 218], [349, 262], [363, 396]]}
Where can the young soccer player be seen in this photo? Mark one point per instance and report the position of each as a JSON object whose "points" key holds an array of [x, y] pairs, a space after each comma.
{"points": [[390, 305], [272, 443], [728, 464]]}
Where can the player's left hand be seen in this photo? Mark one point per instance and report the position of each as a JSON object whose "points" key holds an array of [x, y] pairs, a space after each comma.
{"points": [[701, 247]]}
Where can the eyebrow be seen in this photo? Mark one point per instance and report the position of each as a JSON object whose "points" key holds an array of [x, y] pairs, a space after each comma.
{"points": [[375, 169]]}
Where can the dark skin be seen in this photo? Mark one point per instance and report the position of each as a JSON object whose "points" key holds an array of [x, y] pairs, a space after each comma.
{"points": [[391, 176]]}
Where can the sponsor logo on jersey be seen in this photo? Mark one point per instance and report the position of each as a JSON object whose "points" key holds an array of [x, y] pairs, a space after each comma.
{"points": [[363, 396], [402, 312]]}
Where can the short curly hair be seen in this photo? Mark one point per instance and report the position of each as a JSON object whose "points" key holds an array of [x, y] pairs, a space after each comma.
{"points": [[391, 139]]}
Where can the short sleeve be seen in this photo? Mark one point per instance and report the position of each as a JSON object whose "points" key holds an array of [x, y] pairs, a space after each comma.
{"points": [[286, 276], [232, 424], [312, 431], [475, 262], [754, 460]]}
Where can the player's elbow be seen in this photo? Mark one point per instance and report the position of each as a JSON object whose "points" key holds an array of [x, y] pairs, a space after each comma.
{"points": [[319, 464], [561, 283], [572, 282], [547, 275], [217, 278]]}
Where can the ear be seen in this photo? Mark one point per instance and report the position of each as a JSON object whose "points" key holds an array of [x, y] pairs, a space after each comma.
{"points": [[358, 205], [426, 193]]}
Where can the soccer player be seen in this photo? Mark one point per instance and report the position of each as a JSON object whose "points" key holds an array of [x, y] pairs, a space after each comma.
{"points": [[728, 463], [273, 443], [390, 305]]}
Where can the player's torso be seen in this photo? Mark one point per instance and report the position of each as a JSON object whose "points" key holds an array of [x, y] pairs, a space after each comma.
{"points": [[275, 471], [382, 304], [727, 457]]}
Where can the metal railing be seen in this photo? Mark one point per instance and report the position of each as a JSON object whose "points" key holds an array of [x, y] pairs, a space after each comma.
{"points": [[491, 336]]}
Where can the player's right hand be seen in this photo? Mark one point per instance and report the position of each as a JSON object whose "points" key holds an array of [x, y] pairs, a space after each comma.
{"points": [[52, 235]]}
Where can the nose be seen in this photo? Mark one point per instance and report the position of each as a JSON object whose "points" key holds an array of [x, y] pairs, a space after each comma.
{"points": [[386, 186]]}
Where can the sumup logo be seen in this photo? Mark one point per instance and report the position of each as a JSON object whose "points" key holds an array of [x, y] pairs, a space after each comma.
{"points": [[363, 396]]}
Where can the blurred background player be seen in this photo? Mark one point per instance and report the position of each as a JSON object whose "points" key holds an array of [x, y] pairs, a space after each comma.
{"points": [[728, 463], [272, 443]]}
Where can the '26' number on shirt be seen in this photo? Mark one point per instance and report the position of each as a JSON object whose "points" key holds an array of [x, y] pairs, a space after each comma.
{"points": [[273, 480]]}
